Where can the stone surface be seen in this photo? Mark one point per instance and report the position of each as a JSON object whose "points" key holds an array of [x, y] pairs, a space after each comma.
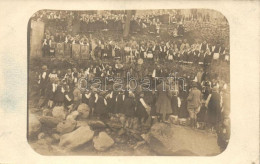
{"points": [[55, 136], [59, 112], [34, 125], [66, 126], [73, 115], [48, 121], [96, 124], [81, 123], [103, 141], [83, 110], [178, 140], [76, 138]]}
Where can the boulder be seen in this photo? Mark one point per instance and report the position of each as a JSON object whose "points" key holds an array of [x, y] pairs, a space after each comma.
{"points": [[178, 140], [34, 125], [81, 123], [66, 126], [103, 141], [76, 138], [83, 110], [55, 137], [73, 115], [96, 124], [48, 121], [59, 112]]}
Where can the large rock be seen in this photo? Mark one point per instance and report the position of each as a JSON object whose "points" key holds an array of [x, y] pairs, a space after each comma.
{"points": [[34, 125], [59, 112], [179, 140], [76, 138], [81, 123], [56, 137], [73, 115], [83, 110], [96, 124], [103, 141], [66, 126], [48, 121]]}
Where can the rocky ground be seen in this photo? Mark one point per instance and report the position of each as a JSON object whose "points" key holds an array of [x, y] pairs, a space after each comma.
{"points": [[54, 132]]}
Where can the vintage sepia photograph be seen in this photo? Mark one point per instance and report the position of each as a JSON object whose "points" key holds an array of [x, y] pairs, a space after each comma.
{"points": [[128, 82]]}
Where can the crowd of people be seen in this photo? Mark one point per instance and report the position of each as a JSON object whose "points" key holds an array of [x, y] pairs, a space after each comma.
{"points": [[201, 95], [182, 51]]}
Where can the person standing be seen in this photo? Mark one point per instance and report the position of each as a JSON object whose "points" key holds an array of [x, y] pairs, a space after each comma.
{"points": [[214, 108], [130, 106], [77, 97], [163, 103], [43, 80], [142, 110], [100, 105], [194, 103]]}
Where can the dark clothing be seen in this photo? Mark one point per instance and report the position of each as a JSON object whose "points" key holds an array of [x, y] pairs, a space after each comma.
{"points": [[111, 101], [49, 91], [129, 105], [214, 108], [183, 113], [120, 104], [59, 96], [100, 107], [174, 102], [201, 116], [66, 101], [140, 110]]}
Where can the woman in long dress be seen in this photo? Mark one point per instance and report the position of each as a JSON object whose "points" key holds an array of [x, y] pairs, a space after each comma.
{"points": [[163, 103], [214, 108]]}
